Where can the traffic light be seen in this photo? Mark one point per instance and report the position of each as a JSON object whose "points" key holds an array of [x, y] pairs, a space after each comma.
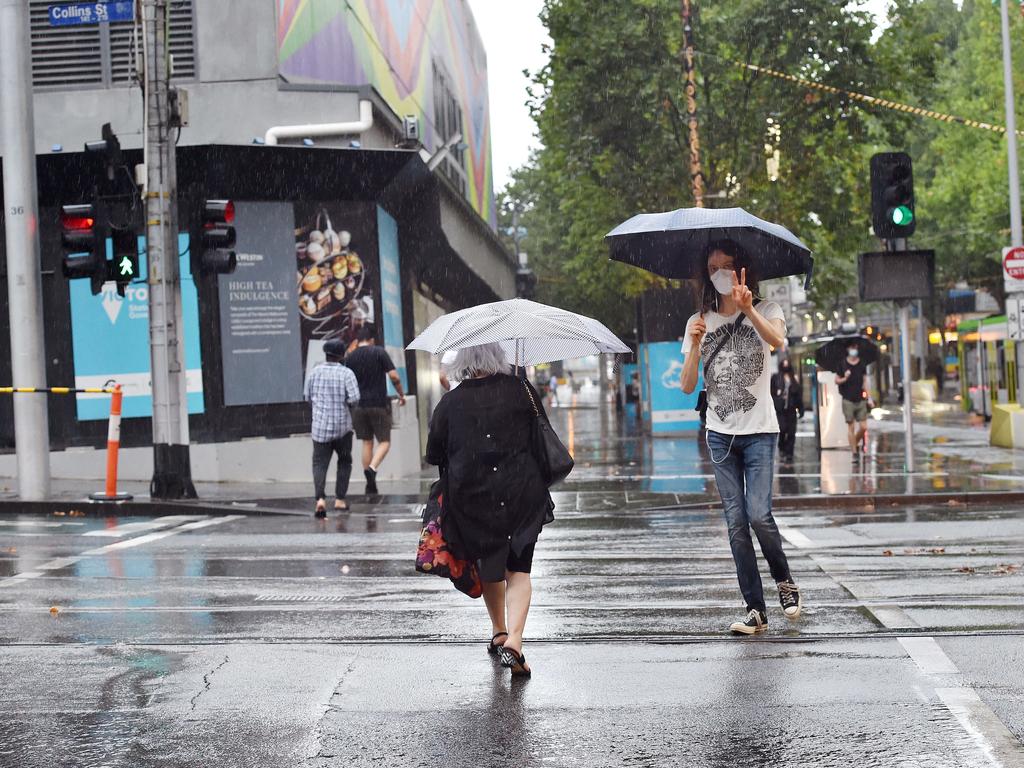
{"points": [[110, 148], [124, 267], [892, 195], [84, 240], [216, 253]]}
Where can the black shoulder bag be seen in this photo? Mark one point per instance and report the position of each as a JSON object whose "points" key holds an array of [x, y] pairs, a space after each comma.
{"points": [[555, 461], [702, 399]]}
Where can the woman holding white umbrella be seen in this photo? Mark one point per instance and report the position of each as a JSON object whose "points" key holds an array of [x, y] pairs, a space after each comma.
{"points": [[496, 498], [493, 442]]}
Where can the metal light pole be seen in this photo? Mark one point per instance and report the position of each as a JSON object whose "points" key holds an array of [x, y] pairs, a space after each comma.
{"points": [[21, 214], [696, 174], [172, 473], [1016, 236]]}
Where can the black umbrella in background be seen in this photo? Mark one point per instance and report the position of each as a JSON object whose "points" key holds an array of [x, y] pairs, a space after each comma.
{"points": [[832, 355]]}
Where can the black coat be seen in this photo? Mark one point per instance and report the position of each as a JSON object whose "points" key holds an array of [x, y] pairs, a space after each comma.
{"points": [[795, 404], [481, 435]]}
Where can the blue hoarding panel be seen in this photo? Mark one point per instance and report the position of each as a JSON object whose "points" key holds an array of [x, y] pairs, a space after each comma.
{"points": [[110, 340], [391, 294], [672, 410], [72, 14]]}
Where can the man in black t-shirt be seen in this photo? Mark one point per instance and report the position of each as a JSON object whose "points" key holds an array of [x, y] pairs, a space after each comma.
{"points": [[855, 405], [372, 418]]}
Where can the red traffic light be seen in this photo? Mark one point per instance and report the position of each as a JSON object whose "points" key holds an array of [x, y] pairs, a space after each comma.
{"points": [[77, 217], [218, 212]]}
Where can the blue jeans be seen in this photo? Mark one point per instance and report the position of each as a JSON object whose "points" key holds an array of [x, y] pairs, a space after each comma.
{"points": [[744, 479]]}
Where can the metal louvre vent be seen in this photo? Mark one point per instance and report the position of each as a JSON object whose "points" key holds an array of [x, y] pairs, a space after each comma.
{"points": [[104, 55], [63, 56]]}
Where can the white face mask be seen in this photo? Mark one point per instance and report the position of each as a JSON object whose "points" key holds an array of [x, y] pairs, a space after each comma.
{"points": [[722, 280]]}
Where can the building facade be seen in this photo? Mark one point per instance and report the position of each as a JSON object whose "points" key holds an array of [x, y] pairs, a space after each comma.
{"points": [[376, 205]]}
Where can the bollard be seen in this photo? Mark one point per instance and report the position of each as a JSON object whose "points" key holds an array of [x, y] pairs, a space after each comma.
{"points": [[113, 446]]}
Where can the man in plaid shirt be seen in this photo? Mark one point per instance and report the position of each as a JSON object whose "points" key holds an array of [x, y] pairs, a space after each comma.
{"points": [[331, 389]]}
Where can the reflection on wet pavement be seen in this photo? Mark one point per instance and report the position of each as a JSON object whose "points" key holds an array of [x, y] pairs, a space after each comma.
{"points": [[279, 640]]}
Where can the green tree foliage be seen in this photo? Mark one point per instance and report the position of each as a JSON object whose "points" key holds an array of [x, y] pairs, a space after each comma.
{"points": [[610, 108], [611, 114]]}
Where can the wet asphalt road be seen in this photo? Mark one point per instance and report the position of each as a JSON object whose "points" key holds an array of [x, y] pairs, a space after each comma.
{"points": [[281, 641]]}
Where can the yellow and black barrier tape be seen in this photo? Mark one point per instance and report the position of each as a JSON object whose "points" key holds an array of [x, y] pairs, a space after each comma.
{"points": [[56, 390], [874, 101]]}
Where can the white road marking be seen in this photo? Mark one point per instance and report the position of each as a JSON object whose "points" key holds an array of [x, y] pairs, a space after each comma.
{"points": [[797, 538], [127, 529], [928, 656], [992, 737], [37, 523], [999, 746], [64, 562]]}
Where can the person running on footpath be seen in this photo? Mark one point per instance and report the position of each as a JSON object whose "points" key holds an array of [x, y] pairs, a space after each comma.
{"points": [[373, 367], [331, 389], [734, 339], [789, 406], [855, 404], [495, 496]]}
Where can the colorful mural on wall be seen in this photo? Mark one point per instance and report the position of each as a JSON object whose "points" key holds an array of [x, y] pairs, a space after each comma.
{"points": [[394, 46]]}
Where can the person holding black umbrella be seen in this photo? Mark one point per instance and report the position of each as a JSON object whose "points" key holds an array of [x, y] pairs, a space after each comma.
{"points": [[855, 405], [734, 336]]}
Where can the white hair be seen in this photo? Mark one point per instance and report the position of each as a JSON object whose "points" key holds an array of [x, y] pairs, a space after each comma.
{"points": [[481, 360]]}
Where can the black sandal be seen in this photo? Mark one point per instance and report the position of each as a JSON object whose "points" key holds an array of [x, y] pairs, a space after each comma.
{"points": [[515, 661], [494, 648]]}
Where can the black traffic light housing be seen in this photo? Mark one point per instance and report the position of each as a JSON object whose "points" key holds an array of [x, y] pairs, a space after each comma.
{"points": [[84, 234], [124, 267], [110, 148], [892, 195], [214, 252]]}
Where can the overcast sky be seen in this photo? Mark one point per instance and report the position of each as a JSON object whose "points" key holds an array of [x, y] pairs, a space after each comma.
{"points": [[513, 36]]}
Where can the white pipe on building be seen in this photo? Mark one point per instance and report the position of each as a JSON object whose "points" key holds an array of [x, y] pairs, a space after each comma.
{"points": [[364, 123]]}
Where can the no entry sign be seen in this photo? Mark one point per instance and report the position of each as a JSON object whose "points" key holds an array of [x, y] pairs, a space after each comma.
{"points": [[1013, 269]]}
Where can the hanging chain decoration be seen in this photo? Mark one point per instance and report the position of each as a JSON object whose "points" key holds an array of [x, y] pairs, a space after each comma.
{"points": [[871, 100]]}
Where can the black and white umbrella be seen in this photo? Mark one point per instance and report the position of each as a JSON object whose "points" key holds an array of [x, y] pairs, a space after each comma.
{"points": [[528, 332], [674, 244]]}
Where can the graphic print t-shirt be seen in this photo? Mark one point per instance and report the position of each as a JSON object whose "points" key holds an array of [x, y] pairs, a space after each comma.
{"points": [[739, 381]]}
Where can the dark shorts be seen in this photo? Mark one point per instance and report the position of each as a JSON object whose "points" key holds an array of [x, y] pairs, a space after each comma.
{"points": [[372, 423], [855, 411], [493, 567]]}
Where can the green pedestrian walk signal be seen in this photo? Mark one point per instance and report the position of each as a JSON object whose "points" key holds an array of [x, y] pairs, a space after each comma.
{"points": [[123, 269]]}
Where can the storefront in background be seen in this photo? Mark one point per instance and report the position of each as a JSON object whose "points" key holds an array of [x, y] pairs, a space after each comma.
{"points": [[328, 242]]}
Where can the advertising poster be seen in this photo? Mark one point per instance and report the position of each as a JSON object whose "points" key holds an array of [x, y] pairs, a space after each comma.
{"points": [[671, 408], [391, 295], [336, 261], [110, 341], [259, 328]]}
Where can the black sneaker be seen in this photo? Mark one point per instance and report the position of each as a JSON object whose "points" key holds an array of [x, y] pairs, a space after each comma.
{"points": [[371, 481], [789, 599], [755, 622]]}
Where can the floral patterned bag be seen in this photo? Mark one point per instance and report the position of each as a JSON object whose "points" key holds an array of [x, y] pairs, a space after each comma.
{"points": [[434, 556]]}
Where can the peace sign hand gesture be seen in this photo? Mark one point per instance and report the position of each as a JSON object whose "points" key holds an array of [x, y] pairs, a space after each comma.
{"points": [[742, 295]]}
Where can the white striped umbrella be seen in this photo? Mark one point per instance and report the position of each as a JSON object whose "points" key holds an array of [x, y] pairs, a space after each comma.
{"points": [[528, 332]]}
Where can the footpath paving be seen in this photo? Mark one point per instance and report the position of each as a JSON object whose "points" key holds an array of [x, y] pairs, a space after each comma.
{"points": [[617, 464]]}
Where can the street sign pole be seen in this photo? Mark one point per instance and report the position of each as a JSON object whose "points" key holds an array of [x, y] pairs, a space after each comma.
{"points": [[1016, 236], [21, 216], [172, 473]]}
